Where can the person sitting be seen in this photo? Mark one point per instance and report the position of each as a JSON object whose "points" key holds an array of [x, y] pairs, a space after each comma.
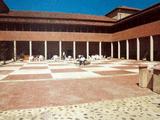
{"points": [[55, 57], [36, 58], [41, 58], [31, 58], [69, 57], [82, 60]]}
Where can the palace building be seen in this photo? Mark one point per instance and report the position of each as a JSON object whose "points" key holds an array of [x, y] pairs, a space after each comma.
{"points": [[125, 32]]}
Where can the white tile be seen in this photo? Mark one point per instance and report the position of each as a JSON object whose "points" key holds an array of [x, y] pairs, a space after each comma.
{"points": [[62, 67], [35, 65], [16, 63], [2, 76], [94, 69], [58, 63], [32, 71], [133, 70]]}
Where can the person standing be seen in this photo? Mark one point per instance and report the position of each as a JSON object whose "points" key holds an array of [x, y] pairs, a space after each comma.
{"points": [[64, 56]]}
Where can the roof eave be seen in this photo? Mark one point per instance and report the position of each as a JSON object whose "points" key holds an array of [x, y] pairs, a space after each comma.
{"points": [[4, 8]]}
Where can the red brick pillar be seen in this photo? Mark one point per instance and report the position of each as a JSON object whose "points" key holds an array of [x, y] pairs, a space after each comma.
{"points": [[143, 73], [156, 79]]}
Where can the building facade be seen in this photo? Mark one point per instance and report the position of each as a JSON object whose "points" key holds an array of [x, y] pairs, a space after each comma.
{"points": [[136, 36], [122, 12]]}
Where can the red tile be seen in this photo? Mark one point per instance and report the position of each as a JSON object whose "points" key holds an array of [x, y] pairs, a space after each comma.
{"points": [[28, 76], [12, 65], [115, 72], [127, 67]]}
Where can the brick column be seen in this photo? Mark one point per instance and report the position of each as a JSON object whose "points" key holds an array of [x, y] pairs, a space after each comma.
{"points": [[111, 49], [151, 49], [87, 49], [100, 48], [30, 48], [138, 49], [45, 49], [127, 49], [15, 51], [119, 50], [74, 49], [60, 49]]}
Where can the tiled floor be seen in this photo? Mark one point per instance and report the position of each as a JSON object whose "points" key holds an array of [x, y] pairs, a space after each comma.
{"points": [[46, 84], [65, 71]]}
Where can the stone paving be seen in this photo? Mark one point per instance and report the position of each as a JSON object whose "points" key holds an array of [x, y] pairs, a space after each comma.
{"points": [[103, 90], [137, 108]]}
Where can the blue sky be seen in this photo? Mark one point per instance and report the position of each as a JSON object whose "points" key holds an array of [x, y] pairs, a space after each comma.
{"points": [[93, 7]]}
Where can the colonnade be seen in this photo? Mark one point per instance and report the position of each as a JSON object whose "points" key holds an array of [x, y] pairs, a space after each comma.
{"points": [[100, 49]]}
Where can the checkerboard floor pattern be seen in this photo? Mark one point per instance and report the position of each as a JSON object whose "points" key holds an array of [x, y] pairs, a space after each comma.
{"points": [[64, 71]]}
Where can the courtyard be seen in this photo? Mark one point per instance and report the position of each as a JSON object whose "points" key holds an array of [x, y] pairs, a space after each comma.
{"points": [[105, 89], [79, 60]]}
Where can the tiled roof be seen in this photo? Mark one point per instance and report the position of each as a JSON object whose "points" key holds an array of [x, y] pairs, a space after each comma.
{"points": [[51, 15], [129, 8], [54, 21]]}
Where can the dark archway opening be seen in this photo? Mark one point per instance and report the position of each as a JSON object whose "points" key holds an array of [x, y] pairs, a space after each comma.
{"points": [[6, 50], [132, 49], [22, 48], [106, 49], [145, 48], [38, 48], [156, 39], [81, 49], [67, 47], [115, 49], [52, 49], [123, 49], [93, 48]]}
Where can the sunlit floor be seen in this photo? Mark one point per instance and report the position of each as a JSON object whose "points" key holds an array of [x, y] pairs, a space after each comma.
{"points": [[106, 89]]}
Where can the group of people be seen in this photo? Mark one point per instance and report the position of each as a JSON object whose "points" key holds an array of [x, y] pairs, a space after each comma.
{"points": [[36, 58], [81, 59], [96, 57]]}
